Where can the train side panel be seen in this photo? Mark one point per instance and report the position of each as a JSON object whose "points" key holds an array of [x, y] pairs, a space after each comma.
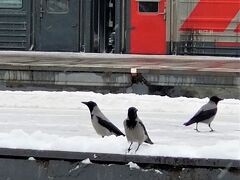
{"points": [[192, 27], [15, 25], [204, 27]]}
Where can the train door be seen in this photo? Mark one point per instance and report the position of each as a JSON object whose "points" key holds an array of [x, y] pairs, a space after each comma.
{"points": [[102, 25], [57, 25], [147, 27]]}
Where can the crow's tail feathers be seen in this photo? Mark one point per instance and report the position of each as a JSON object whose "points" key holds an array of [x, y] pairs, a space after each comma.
{"points": [[188, 123], [119, 133], [148, 140]]}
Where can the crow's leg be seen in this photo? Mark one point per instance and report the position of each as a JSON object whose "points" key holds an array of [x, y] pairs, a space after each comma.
{"points": [[138, 147], [197, 127], [129, 149], [209, 125]]}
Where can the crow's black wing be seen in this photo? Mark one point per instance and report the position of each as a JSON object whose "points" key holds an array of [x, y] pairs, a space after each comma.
{"points": [[201, 116], [110, 126], [148, 140]]}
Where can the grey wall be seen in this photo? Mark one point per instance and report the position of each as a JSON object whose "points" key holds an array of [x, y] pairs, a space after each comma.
{"points": [[20, 169]]}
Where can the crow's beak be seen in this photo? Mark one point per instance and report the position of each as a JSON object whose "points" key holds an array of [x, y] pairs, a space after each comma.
{"points": [[84, 103], [220, 99]]}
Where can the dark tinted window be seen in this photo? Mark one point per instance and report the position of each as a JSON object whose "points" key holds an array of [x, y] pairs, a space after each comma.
{"points": [[10, 3], [57, 6], [148, 6]]}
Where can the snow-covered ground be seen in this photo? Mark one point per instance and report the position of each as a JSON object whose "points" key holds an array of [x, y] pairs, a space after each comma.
{"points": [[59, 121]]}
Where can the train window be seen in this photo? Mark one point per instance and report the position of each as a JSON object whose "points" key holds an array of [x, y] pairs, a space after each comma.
{"points": [[57, 6], [11, 4], [146, 6]]}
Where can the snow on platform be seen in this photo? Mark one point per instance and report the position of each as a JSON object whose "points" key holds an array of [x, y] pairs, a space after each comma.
{"points": [[59, 121]]}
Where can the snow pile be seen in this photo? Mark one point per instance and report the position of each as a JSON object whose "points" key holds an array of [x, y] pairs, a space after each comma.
{"points": [[86, 161], [133, 165], [59, 121]]}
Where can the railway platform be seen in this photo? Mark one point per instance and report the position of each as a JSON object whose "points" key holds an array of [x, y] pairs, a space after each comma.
{"points": [[116, 71], [80, 70]]}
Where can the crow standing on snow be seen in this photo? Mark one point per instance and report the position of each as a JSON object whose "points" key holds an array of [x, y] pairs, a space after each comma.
{"points": [[100, 123], [205, 114], [135, 129]]}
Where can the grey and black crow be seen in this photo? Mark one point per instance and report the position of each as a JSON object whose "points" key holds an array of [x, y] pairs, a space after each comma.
{"points": [[205, 114], [100, 123], [135, 129]]}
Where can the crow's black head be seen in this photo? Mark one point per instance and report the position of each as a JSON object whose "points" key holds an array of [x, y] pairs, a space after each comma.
{"points": [[132, 115], [90, 105], [215, 99]]}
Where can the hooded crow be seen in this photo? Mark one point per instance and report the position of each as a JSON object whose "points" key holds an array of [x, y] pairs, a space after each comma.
{"points": [[135, 129], [100, 123], [205, 114]]}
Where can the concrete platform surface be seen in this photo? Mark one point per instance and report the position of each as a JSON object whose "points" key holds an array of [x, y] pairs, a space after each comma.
{"points": [[115, 62], [96, 71]]}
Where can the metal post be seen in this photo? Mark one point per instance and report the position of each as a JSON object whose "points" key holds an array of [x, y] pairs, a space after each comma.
{"points": [[87, 28], [118, 25]]}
